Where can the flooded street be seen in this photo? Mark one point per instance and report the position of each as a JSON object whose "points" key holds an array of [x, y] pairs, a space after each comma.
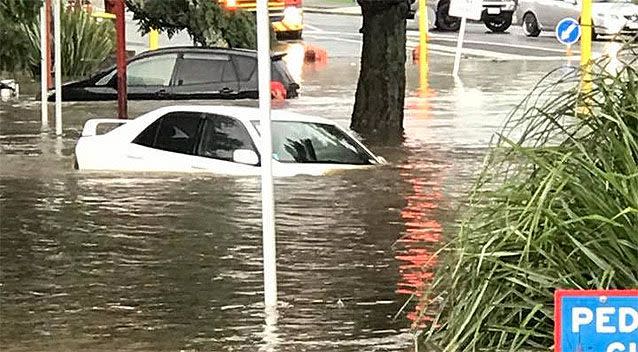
{"points": [[172, 262]]}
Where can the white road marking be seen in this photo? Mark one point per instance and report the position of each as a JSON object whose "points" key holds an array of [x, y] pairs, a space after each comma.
{"points": [[319, 36], [497, 55], [530, 47], [316, 29], [443, 50], [501, 56], [409, 46], [478, 52], [449, 38]]}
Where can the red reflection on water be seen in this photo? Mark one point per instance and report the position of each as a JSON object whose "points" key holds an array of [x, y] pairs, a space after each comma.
{"points": [[415, 250]]}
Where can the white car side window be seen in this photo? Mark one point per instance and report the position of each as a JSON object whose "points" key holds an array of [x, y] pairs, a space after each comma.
{"points": [[222, 136], [174, 132]]}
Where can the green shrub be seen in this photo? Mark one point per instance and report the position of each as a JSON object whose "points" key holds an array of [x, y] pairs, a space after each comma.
{"points": [[556, 206], [85, 41], [204, 20], [14, 15]]}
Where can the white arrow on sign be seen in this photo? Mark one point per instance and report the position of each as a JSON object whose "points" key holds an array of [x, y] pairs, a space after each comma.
{"points": [[568, 32]]}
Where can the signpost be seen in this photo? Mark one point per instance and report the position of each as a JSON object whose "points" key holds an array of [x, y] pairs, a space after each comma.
{"points": [[57, 58], [267, 191], [568, 31], [423, 46], [44, 64], [48, 19], [120, 43], [596, 320], [464, 9], [585, 44], [153, 39]]}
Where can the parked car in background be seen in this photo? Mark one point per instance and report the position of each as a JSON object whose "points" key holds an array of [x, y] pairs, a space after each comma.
{"points": [[183, 73], [609, 17], [220, 140], [496, 15]]}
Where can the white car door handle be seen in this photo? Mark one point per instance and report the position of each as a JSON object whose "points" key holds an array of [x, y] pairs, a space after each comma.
{"points": [[134, 157], [195, 167]]}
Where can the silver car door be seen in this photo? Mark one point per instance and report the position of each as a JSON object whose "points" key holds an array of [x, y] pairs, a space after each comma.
{"points": [[564, 9], [544, 11]]}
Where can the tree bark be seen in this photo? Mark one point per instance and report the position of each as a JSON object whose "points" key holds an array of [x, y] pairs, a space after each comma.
{"points": [[379, 100]]}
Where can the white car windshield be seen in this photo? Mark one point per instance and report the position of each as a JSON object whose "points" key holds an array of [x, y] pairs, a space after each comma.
{"points": [[308, 142]]}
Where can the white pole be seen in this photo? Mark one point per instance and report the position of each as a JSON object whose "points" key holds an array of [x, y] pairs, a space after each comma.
{"points": [[459, 46], [43, 65], [270, 335], [267, 192], [58, 67]]}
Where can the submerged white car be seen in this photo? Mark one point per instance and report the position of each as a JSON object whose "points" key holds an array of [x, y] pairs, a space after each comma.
{"points": [[221, 140]]}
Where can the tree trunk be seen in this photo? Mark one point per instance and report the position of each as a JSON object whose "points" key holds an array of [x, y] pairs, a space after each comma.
{"points": [[378, 107]]}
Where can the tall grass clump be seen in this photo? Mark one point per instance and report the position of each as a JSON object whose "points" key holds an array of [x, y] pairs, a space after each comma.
{"points": [[14, 14], [556, 206], [85, 41]]}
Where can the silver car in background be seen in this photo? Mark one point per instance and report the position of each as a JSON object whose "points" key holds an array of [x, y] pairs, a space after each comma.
{"points": [[609, 17], [496, 15]]}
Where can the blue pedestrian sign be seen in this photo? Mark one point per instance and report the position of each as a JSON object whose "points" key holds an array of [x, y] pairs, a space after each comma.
{"points": [[596, 321], [568, 31]]}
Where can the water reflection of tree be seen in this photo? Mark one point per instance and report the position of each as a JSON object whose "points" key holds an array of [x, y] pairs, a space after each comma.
{"points": [[221, 137], [301, 150]]}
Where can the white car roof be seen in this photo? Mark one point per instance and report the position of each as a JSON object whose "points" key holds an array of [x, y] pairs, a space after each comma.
{"points": [[246, 114]]}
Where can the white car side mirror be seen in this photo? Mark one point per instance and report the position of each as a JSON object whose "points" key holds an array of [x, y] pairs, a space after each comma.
{"points": [[245, 156]]}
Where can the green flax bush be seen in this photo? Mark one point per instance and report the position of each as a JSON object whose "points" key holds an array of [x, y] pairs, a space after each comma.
{"points": [[556, 206], [14, 14], [86, 42]]}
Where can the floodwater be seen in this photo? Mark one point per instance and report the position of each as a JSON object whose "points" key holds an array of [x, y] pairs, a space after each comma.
{"points": [[172, 262]]}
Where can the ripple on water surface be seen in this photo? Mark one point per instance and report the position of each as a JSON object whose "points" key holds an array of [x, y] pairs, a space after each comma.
{"points": [[166, 262]]}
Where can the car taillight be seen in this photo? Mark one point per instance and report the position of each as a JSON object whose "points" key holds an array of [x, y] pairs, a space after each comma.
{"points": [[295, 3]]}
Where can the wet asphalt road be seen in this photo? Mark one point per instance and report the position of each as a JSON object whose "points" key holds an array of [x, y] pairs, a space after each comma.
{"points": [[340, 35]]}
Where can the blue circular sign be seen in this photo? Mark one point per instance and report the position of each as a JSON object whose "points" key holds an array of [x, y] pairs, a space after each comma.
{"points": [[568, 31]]}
